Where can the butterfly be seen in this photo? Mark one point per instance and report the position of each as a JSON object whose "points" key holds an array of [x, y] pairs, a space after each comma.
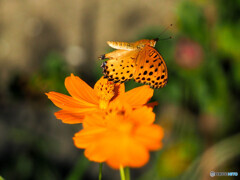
{"points": [[137, 60]]}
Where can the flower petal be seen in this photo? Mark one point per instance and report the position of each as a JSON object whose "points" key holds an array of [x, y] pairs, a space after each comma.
{"points": [[92, 140], [87, 137], [68, 103], [127, 153], [143, 115], [138, 96], [93, 154], [94, 120], [71, 117], [149, 136], [80, 90]]}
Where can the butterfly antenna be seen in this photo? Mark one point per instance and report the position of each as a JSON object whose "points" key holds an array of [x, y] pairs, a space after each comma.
{"points": [[157, 39], [170, 37]]}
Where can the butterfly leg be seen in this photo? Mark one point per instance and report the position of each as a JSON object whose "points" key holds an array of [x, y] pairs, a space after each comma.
{"points": [[110, 55], [102, 57]]}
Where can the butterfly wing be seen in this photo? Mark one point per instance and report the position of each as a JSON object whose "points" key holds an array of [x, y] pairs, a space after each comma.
{"points": [[151, 68], [121, 65]]}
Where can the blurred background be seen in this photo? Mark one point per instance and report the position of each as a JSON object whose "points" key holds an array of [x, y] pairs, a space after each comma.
{"points": [[42, 42]]}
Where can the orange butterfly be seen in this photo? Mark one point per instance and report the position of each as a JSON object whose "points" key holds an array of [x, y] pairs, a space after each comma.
{"points": [[138, 60]]}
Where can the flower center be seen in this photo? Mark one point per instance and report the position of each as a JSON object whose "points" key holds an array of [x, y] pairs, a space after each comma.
{"points": [[117, 119]]}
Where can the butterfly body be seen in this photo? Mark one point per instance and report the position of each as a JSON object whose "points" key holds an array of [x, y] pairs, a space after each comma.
{"points": [[138, 60], [138, 45]]}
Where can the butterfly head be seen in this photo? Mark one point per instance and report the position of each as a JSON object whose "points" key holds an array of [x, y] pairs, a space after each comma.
{"points": [[145, 42], [153, 42]]}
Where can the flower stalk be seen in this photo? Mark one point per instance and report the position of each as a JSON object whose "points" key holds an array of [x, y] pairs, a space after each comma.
{"points": [[127, 173], [100, 171], [122, 173]]}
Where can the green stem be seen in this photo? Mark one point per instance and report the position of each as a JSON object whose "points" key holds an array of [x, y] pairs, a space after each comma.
{"points": [[127, 173], [122, 173], [100, 171]]}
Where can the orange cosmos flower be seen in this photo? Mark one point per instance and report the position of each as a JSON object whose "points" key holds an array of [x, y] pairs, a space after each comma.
{"points": [[85, 100], [122, 136]]}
